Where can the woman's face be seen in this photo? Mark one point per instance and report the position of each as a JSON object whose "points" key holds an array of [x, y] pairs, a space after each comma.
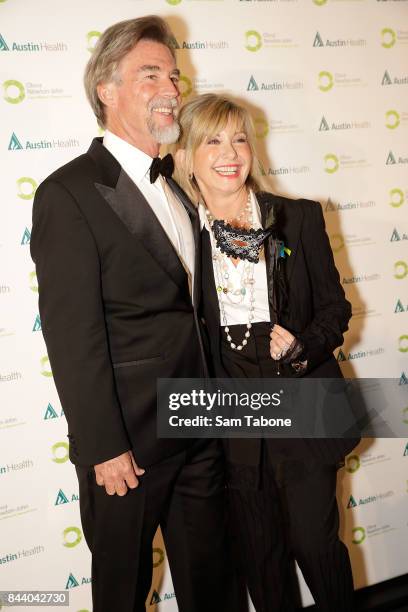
{"points": [[222, 162]]}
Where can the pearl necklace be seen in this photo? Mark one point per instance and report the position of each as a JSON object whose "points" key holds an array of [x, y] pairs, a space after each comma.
{"points": [[223, 283]]}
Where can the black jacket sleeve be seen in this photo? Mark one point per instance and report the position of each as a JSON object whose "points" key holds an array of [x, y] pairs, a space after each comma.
{"points": [[331, 310], [72, 316]]}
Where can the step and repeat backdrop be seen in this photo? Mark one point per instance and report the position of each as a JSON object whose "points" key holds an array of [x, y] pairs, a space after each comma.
{"points": [[326, 82]]}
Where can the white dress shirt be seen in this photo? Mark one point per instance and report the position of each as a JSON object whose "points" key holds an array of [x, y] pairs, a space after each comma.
{"points": [[170, 212], [237, 313]]}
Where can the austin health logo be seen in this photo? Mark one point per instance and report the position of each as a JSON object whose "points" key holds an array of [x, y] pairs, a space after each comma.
{"points": [[61, 499], [26, 237], [396, 236], [324, 126], [14, 144], [37, 324], [3, 44], [318, 42], [155, 596], [14, 91], [252, 85], [72, 582], [386, 79], [399, 307], [352, 502], [50, 413], [403, 379], [405, 453]]}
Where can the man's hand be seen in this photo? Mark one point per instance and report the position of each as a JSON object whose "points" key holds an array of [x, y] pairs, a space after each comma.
{"points": [[118, 474], [281, 340]]}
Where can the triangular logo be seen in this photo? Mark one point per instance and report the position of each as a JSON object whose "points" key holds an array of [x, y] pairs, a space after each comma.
{"points": [[174, 43], [3, 44], [261, 169], [37, 324], [71, 582], [318, 42], [50, 413], [252, 85], [406, 451], [399, 307], [386, 79], [403, 379], [61, 498], [395, 236], [390, 159], [352, 502], [324, 126], [341, 356], [330, 206], [26, 236], [155, 598], [14, 144]]}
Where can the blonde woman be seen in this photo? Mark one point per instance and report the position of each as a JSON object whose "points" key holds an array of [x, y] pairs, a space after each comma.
{"points": [[273, 305]]}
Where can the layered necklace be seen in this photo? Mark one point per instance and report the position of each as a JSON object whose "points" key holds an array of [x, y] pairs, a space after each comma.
{"points": [[226, 290]]}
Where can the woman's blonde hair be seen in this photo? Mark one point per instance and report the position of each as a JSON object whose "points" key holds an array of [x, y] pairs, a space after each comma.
{"points": [[203, 117]]}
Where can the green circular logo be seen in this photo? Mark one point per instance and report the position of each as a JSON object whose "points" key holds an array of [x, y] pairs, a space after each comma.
{"points": [[91, 39], [352, 463], [68, 534], [400, 269], [187, 86], [319, 2], [336, 242], [253, 40], [14, 91], [58, 457], [173, 2], [405, 415], [403, 344], [33, 282], [261, 127], [159, 557], [392, 119], [325, 80], [331, 163], [26, 187], [359, 535], [45, 370], [397, 197], [388, 38]]}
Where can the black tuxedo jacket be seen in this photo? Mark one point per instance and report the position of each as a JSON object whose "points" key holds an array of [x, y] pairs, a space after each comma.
{"points": [[115, 307], [317, 311]]}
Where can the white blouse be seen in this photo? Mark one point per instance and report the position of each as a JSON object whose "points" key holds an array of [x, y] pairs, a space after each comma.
{"points": [[236, 307]]}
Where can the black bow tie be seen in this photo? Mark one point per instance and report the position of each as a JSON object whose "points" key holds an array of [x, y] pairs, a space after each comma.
{"points": [[163, 166]]}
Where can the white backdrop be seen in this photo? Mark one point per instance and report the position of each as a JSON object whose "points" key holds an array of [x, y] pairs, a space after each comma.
{"points": [[326, 82]]}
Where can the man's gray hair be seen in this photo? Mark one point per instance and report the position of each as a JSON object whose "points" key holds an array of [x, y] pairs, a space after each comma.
{"points": [[111, 48]]}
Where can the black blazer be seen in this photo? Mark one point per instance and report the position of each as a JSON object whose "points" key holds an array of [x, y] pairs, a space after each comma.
{"points": [[317, 311], [115, 307]]}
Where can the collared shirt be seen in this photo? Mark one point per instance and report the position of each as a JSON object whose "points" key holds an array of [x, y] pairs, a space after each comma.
{"points": [[170, 212], [236, 308]]}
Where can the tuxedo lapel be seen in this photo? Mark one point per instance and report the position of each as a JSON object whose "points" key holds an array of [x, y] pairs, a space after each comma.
{"points": [[195, 222], [129, 204]]}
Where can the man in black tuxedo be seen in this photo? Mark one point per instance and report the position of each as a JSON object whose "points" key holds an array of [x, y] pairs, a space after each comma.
{"points": [[115, 254]]}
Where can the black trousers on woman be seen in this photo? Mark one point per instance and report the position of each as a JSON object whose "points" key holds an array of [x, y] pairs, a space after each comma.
{"points": [[285, 507]]}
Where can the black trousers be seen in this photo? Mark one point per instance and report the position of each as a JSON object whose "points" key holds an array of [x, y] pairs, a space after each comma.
{"points": [[285, 508], [185, 495]]}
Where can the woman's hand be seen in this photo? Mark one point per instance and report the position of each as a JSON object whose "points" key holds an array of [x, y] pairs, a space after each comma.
{"points": [[281, 340]]}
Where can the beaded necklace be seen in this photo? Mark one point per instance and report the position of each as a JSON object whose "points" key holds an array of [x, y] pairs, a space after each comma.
{"points": [[225, 288]]}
